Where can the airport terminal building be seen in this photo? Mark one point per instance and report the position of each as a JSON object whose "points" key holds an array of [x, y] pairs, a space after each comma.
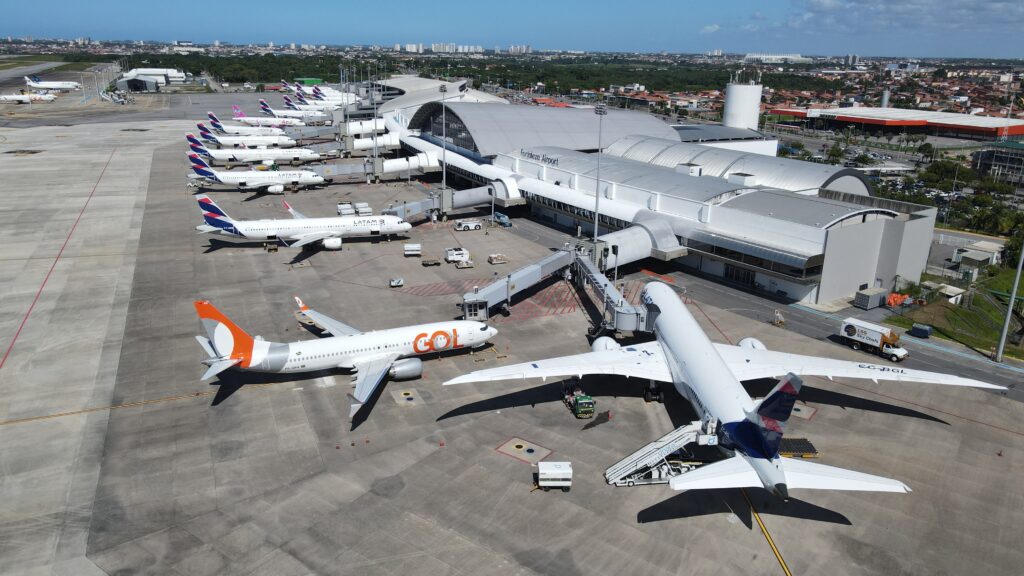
{"points": [[809, 232]]}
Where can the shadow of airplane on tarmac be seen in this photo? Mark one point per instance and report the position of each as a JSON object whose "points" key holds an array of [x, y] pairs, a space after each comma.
{"points": [[696, 503]]}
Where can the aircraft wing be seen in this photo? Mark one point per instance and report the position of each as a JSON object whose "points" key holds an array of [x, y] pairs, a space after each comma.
{"points": [[304, 239], [640, 361], [750, 364], [369, 374], [736, 472], [813, 476], [325, 322]]}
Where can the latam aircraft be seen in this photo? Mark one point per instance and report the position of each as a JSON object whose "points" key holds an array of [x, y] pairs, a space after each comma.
{"points": [[36, 84], [304, 105], [26, 98], [244, 141], [304, 115], [300, 231], [236, 130], [708, 375], [269, 181], [239, 116], [251, 155], [371, 355], [321, 93]]}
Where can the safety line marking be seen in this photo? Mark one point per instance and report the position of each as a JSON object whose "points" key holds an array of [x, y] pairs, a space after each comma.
{"points": [[60, 253], [767, 536]]}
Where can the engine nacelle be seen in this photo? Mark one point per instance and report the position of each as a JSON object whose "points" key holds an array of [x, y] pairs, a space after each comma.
{"points": [[752, 343], [332, 243], [604, 343], [406, 369], [275, 189]]}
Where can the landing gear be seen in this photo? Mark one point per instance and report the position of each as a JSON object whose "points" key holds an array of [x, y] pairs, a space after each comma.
{"points": [[653, 392]]}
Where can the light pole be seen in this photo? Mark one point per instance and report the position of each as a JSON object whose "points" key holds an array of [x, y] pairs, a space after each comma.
{"points": [[601, 111], [443, 89], [1009, 310]]}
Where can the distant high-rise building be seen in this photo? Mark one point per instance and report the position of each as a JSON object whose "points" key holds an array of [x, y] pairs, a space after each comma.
{"points": [[291, 46], [270, 44], [518, 49], [216, 43], [851, 60], [775, 58]]}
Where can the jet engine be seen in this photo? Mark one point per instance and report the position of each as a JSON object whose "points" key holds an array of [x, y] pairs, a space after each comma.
{"points": [[406, 369], [275, 189], [334, 244], [604, 343], [752, 343]]}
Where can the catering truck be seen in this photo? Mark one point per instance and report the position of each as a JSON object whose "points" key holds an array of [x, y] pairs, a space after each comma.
{"points": [[883, 341]]}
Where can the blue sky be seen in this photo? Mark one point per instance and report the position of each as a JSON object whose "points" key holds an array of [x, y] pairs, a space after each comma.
{"points": [[867, 27]]}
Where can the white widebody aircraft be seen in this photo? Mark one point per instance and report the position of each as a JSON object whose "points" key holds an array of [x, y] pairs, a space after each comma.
{"points": [[708, 375], [26, 98], [245, 140], [371, 355], [304, 115], [251, 155], [234, 129], [299, 231], [36, 84], [270, 181], [304, 105]]}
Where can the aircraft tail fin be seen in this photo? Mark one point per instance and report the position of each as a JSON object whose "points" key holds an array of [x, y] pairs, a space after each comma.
{"points": [[265, 108], [230, 344], [237, 112], [200, 167], [196, 146], [215, 216], [772, 413], [288, 102]]}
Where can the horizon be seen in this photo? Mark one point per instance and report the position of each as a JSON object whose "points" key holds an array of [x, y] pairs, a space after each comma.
{"points": [[911, 29]]}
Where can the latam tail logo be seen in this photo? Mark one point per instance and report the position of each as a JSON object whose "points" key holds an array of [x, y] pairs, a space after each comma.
{"points": [[200, 167], [288, 102], [207, 205], [236, 111], [193, 141]]}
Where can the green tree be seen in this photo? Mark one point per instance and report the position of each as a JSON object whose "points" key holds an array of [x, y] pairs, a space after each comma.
{"points": [[926, 150]]}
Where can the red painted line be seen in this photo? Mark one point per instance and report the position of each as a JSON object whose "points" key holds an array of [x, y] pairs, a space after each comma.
{"points": [[55, 261]]}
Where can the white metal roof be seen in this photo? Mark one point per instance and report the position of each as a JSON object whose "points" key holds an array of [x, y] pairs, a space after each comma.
{"points": [[770, 171], [497, 129], [922, 116]]}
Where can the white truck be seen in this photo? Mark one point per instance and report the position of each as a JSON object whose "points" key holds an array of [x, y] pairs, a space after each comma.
{"points": [[554, 475], [883, 341], [456, 255], [468, 224]]}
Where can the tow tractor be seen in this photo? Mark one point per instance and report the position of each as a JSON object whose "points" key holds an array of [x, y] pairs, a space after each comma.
{"points": [[581, 405]]}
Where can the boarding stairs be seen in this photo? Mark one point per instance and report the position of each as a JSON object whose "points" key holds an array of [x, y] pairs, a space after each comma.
{"points": [[638, 465]]}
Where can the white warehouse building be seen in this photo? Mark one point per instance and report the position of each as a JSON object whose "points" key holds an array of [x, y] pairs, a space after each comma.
{"points": [[808, 232]]}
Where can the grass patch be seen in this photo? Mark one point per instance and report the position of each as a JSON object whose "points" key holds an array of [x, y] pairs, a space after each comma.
{"points": [[977, 327]]}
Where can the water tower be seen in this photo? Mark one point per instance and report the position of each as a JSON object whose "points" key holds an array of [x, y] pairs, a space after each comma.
{"points": [[743, 100]]}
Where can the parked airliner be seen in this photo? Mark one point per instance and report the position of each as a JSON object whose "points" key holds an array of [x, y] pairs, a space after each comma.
{"points": [[239, 116], [36, 84], [371, 355], [299, 231], [245, 140], [708, 375], [251, 155], [236, 130], [269, 181], [304, 115]]}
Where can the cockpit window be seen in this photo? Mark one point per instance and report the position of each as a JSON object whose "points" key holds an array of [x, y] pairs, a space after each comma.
{"points": [[484, 328]]}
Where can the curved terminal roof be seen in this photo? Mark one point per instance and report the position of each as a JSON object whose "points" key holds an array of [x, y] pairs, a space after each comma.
{"points": [[630, 173], [411, 100], [769, 171], [812, 211], [497, 128]]}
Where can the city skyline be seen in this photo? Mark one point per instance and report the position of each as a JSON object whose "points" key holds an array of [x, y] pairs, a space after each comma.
{"points": [[914, 28]]}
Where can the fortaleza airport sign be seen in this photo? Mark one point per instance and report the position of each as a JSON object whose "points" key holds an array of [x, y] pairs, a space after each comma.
{"points": [[543, 158]]}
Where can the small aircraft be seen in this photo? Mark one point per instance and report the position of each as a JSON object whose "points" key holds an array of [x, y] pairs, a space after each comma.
{"points": [[708, 375], [371, 355], [36, 84], [299, 231], [269, 181]]}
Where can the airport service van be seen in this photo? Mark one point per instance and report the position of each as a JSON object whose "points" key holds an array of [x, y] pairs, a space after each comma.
{"points": [[883, 341], [554, 475]]}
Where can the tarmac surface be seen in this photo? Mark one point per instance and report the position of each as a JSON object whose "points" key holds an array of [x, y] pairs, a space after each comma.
{"points": [[116, 459]]}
